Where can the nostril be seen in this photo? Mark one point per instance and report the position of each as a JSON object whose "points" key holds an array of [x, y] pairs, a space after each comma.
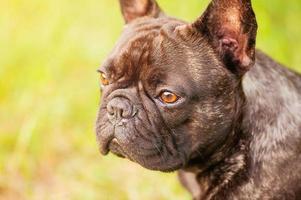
{"points": [[119, 112], [116, 111], [110, 109], [120, 108]]}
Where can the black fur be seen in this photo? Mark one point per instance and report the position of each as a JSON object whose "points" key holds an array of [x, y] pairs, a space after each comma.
{"points": [[234, 131]]}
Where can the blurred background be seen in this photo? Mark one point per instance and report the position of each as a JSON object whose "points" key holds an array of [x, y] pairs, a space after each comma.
{"points": [[49, 94]]}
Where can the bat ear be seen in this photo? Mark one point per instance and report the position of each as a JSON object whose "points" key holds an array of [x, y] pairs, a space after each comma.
{"points": [[133, 9], [230, 27]]}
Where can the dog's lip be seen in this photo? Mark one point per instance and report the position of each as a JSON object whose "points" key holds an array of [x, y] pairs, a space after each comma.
{"points": [[104, 147], [104, 150], [118, 151]]}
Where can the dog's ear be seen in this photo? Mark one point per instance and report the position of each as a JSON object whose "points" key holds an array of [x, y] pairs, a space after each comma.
{"points": [[230, 27], [133, 9]]}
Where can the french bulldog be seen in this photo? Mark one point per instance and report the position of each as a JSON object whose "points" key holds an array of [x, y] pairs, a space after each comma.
{"points": [[201, 99]]}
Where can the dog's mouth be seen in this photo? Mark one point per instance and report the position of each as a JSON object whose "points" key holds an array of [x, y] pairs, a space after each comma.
{"points": [[154, 153], [115, 148], [111, 144]]}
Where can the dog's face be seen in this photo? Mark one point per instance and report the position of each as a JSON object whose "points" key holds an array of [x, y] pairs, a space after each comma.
{"points": [[170, 89]]}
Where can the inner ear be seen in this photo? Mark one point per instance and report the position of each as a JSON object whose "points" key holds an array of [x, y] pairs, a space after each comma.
{"points": [[133, 9], [230, 27]]}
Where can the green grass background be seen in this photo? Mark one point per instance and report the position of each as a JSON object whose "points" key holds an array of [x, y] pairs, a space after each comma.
{"points": [[49, 93]]}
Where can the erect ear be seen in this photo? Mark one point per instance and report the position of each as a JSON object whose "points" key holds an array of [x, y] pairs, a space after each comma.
{"points": [[133, 9], [231, 27]]}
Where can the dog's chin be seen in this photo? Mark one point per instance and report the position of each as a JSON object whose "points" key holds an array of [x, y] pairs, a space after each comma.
{"points": [[155, 163], [164, 166], [171, 167]]}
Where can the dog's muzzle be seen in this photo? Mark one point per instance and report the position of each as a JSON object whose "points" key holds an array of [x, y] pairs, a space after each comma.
{"points": [[119, 111]]}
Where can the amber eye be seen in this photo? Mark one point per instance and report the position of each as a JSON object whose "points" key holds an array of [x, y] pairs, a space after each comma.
{"points": [[103, 79], [168, 97]]}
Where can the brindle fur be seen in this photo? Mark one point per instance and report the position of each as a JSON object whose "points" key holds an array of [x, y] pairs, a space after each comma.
{"points": [[236, 132]]}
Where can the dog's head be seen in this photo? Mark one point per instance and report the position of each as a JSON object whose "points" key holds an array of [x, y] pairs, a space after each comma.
{"points": [[170, 89]]}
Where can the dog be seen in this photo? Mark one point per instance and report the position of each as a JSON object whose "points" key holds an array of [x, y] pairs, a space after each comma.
{"points": [[199, 98]]}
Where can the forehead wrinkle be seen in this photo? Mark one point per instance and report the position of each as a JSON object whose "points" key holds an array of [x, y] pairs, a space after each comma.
{"points": [[133, 50], [134, 55], [130, 34]]}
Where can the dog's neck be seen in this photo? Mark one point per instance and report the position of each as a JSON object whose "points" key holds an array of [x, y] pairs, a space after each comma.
{"points": [[255, 155], [216, 177], [214, 172]]}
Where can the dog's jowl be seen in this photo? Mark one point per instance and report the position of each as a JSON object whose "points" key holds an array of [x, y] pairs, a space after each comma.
{"points": [[199, 98]]}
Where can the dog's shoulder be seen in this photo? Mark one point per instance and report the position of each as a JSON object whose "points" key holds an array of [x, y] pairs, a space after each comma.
{"points": [[273, 120], [272, 91]]}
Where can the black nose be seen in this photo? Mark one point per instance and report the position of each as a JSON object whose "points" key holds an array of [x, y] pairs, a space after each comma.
{"points": [[120, 108]]}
